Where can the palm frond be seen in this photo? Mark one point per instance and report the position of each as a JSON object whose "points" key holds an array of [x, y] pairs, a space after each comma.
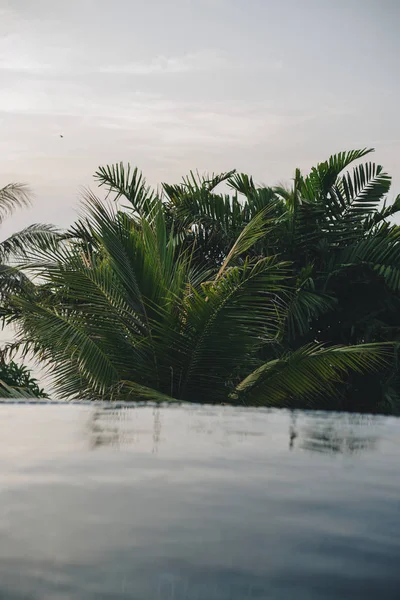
{"points": [[242, 183], [17, 393], [386, 212], [308, 372], [28, 240], [132, 391], [12, 196], [380, 246], [363, 190], [66, 335], [248, 237], [227, 322], [324, 175], [195, 181], [129, 183], [304, 307]]}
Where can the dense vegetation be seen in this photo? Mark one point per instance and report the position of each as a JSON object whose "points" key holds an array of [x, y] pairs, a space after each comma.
{"points": [[254, 295], [16, 380]]}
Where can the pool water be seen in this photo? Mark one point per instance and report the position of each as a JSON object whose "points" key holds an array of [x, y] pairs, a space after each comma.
{"points": [[205, 503]]}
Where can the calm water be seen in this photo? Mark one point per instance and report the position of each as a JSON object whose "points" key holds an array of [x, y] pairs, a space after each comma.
{"points": [[197, 503]]}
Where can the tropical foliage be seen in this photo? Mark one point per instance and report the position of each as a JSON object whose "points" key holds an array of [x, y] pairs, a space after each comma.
{"points": [[336, 228], [13, 196], [16, 381], [255, 297]]}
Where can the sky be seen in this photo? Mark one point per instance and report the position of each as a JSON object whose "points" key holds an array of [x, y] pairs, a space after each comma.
{"points": [[171, 85]]}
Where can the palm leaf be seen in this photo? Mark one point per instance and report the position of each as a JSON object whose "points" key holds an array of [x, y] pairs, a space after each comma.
{"points": [[28, 240], [12, 196], [129, 183], [242, 183], [322, 177], [227, 322], [130, 390], [308, 372], [304, 306], [249, 236], [385, 213], [363, 190]]}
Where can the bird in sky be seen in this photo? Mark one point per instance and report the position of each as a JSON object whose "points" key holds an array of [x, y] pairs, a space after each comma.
{"points": [[61, 136]]}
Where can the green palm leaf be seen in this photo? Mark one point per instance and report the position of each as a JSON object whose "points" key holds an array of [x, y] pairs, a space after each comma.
{"points": [[322, 177], [308, 372], [12, 196], [227, 322], [29, 240]]}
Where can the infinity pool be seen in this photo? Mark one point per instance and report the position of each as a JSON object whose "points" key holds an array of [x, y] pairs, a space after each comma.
{"points": [[200, 503]]}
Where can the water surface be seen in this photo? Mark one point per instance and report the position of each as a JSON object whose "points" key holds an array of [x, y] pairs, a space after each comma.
{"points": [[197, 503]]}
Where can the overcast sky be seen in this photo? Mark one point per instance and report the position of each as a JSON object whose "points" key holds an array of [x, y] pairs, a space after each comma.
{"points": [[171, 85]]}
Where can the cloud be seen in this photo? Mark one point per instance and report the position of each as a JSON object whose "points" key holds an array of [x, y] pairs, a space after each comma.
{"points": [[199, 61], [20, 53], [207, 60]]}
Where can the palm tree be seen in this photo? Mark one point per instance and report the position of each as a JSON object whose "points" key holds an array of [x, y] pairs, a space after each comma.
{"points": [[334, 226], [125, 310], [13, 196], [15, 380], [346, 254]]}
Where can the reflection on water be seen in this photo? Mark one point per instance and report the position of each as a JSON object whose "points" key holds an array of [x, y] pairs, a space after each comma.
{"points": [[333, 434], [330, 439], [108, 427], [205, 503], [330, 433]]}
